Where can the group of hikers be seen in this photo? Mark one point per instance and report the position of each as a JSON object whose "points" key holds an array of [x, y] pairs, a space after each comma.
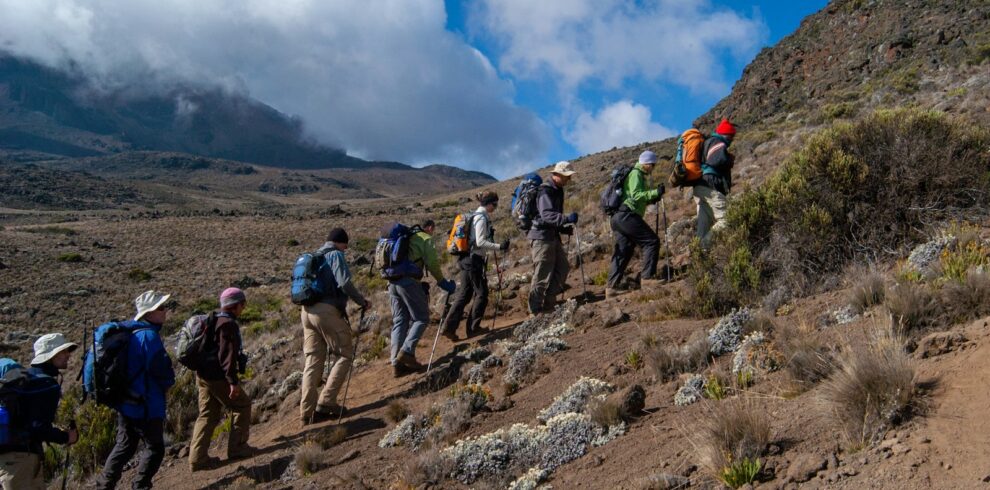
{"points": [[128, 368]]}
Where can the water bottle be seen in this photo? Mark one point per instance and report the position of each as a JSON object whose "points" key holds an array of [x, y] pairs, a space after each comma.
{"points": [[4, 426]]}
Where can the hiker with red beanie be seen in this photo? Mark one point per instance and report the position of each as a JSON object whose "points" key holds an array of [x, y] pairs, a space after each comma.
{"points": [[716, 180], [219, 385]]}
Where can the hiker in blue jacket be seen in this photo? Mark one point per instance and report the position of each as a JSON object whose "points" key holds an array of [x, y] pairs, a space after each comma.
{"points": [[142, 417]]}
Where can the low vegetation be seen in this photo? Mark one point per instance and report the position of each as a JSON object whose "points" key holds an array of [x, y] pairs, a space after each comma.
{"points": [[912, 306], [807, 359], [734, 436], [868, 290], [70, 257], [310, 458], [667, 361]]}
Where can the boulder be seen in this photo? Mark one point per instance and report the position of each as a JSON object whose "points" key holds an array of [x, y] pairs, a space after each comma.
{"points": [[630, 400], [805, 467], [613, 317]]}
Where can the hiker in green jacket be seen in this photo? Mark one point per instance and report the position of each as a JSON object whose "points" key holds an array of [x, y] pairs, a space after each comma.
{"points": [[631, 230]]}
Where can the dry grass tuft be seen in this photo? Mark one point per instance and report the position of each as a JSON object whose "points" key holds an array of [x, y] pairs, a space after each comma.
{"points": [[427, 468], [396, 411], [967, 300], [868, 290], [806, 357], [912, 306], [732, 432], [310, 458], [242, 483], [329, 437], [872, 388], [667, 361], [606, 413]]}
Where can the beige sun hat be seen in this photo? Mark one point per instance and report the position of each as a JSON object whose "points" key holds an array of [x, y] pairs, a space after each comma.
{"points": [[48, 345], [149, 301], [563, 168]]}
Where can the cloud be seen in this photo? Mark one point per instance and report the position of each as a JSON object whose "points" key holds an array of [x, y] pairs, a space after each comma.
{"points": [[623, 123], [381, 78], [614, 41]]}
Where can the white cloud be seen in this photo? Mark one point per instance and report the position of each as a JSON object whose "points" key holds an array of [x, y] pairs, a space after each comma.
{"points": [[623, 123], [380, 78], [613, 41]]}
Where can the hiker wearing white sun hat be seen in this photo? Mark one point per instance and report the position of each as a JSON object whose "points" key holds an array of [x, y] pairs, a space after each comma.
{"points": [[148, 302], [550, 266]]}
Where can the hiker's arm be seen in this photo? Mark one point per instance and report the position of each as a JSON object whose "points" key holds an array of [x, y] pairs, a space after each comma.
{"points": [[637, 189], [160, 367], [430, 260], [342, 274], [228, 350], [549, 217], [481, 241], [718, 157], [42, 430]]}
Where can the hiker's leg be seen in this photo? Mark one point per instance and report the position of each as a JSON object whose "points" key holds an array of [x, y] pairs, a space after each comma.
{"points": [[400, 321], [152, 432], [706, 215], [462, 295], [341, 345], [240, 411], [417, 305], [560, 270], [210, 413], [543, 264], [21, 470], [718, 203], [123, 451], [479, 283], [315, 354], [640, 232], [621, 254]]}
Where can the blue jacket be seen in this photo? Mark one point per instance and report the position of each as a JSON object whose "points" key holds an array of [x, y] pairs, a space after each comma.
{"points": [[149, 366]]}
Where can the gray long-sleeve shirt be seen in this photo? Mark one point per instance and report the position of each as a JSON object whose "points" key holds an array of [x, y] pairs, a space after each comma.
{"points": [[481, 238], [338, 274]]}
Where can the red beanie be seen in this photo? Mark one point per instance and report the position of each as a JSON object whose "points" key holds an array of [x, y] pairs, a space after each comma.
{"points": [[725, 128]]}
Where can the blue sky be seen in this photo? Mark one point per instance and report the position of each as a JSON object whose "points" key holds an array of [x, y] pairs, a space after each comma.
{"points": [[501, 86]]}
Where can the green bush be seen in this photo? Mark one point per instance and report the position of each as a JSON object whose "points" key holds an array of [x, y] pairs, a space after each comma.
{"points": [[183, 406], [97, 426], [863, 188], [70, 257], [840, 110], [139, 275], [601, 278], [740, 472]]}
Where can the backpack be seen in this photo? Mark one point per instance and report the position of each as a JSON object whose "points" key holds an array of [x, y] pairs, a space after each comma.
{"points": [[105, 375], [22, 392], [195, 338], [689, 158], [614, 194], [307, 288], [524, 201], [459, 241], [392, 253]]}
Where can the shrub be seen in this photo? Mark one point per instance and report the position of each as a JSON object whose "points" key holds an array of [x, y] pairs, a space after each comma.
{"points": [[138, 275], [376, 349], [601, 278], [70, 257], [715, 388], [733, 432], [97, 426], [956, 262], [806, 357], [183, 406], [634, 359], [967, 300], [310, 458], [740, 472], [671, 360], [292, 242], [606, 413], [857, 188], [839, 110], [872, 388], [328, 437], [428, 468], [396, 411], [869, 290], [912, 306]]}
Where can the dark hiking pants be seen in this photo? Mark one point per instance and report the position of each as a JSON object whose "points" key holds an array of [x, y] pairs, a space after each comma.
{"points": [[129, 433], [632, 231], [472, 286]]}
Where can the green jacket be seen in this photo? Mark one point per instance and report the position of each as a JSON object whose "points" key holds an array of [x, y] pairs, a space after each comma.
{"points": [[423, 252], [638, 196]]}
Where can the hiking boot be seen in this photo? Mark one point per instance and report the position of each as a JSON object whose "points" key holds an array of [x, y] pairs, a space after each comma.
{"points": [[450, 335], [332, 411], [242, 452], [408, 362], [207, 464], [614, 293], [318, 417]]}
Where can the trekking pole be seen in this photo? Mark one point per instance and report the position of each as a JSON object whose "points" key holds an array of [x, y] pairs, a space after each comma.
{"points": [[347, 385], [666, 244], [580, 259], [446, 308], [498, 300], [65, 465]]}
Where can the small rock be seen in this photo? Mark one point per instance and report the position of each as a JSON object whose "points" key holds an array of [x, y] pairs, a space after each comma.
{"points": [[614, 317], [613, 371], [805, 466], [899, 449], [665, 481], [939, 343], [833, 462]]}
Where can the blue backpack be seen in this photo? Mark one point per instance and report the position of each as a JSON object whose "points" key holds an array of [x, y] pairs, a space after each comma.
{"points": [[105, 376], [23, 392], [392, 253], [524, 200], [307, 288]]}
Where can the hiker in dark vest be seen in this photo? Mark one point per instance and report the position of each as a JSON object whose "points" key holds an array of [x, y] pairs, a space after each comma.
{"points": [[142, 417], [550, 266], [631, 230], [472, 281], [716, 180], [20, 459], [220, 387], [410, 301], [326, 330]]}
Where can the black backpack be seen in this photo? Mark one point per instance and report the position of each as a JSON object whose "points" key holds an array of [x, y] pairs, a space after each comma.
{"points": [[24, 392], [524, 201], [105, 375], [614, 195]]}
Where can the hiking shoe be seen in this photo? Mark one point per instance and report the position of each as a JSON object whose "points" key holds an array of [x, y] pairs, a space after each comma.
{"points": [[408, 361], [614, 293], [242, 452], [207, 464], [450, 335], [318, 417], [332, 411]]}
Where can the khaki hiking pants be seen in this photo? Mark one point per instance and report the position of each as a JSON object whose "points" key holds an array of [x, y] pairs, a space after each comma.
{"points": [[325, 332], [214, 402], [711, 212], [21, 471], [549, 274]]}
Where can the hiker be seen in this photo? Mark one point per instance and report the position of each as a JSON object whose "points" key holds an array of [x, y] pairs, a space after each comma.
{"points": [[410, 300], [631, 230], [21, 456], [472, 281], [326, 330], [716, 180], [550, 266], [219, 385], [141, 417]]}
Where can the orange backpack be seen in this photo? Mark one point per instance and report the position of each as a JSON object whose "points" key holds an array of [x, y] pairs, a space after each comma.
{"points": [[459, 240], [687, 163]]}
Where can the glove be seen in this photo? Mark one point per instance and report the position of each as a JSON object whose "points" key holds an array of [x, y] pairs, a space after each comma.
{"points": [[447, 285], [571, 218], [660, 190], [567, 229], [505, 245]]}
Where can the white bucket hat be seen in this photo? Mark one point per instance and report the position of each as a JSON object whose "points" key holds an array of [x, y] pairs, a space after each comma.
{"points": [[48, 345], [563, 168], [149, 301]]}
